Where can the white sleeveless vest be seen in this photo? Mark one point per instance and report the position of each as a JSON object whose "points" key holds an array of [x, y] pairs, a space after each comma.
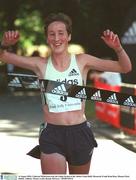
{"points": [[71, 76]]}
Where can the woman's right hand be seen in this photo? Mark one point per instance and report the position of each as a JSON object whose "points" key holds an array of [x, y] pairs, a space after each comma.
{"points": [[10, 38]]}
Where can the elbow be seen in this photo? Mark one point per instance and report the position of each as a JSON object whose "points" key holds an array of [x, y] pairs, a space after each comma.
{"points": [[127, 69]]}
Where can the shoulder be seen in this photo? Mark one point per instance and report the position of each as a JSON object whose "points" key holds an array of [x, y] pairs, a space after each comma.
{"points": [[84, 58], [40, 60], [87, 62], [43, 60], [41, 66]]}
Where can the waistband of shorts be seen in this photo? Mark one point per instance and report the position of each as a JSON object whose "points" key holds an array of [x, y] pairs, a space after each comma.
{"points": [[75, 126]]}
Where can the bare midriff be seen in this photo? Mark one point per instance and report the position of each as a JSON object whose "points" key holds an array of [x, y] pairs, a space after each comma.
{"points": [[64, 118]]}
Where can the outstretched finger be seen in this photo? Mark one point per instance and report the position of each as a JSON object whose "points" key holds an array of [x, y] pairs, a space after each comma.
{"points": [[115, 37], [106, 33], [16, 34]]}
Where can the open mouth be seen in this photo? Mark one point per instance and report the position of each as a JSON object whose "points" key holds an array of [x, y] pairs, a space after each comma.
{"points": [[57, 45]]}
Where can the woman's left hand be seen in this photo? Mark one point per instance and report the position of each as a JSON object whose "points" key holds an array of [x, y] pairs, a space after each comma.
{"points": [[112, 40]]}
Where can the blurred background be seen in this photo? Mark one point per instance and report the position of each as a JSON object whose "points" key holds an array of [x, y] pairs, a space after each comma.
{"points": [[90, 18]]}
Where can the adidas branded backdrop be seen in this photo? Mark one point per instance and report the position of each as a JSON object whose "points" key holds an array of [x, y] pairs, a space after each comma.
{"points": [[127, 114], [128, 40], [69, 90], [127, 100]]}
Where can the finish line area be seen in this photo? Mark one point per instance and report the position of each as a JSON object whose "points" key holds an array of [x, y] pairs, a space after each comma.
{"points": [[109, 159], [114, 105], [26, 81], [18, 137]]}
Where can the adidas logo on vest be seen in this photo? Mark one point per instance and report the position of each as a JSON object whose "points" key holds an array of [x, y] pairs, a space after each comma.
{"points": [[81, 94], [73, 73], [96, 96], [112, 99], [61, 90], [129, 102]]}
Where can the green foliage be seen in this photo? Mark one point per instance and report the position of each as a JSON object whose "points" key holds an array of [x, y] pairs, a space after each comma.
{"points": [[30, 26], [25, 18], [90, 18]]}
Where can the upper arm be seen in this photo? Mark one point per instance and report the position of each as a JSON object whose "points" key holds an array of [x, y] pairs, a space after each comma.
{"points": [[25, 62], [91, 62]]}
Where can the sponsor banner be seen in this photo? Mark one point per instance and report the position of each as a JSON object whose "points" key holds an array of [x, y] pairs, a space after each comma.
{"points": [[26, 81], [88, 93], [76, 91]]}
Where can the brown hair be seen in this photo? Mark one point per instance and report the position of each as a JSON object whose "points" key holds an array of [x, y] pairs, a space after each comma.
{"points": [[58, 17]]}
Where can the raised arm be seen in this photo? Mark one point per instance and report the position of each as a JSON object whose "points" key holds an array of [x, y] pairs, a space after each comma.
{"points": [[122, 64], [10, 38]]}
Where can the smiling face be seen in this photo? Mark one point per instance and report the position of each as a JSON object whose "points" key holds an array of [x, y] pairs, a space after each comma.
{"points": [[58, 37]]}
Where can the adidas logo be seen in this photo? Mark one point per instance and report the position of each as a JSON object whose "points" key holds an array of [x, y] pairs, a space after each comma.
{"points": [[73, 73], [112, 99], [129, 102], [130, 36], [61, 90], [96, 96], [15, 82], [81, 94], [33, 85]]}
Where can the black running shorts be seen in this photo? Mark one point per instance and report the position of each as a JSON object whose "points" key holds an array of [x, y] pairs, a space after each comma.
{"points": [[75, 142]]}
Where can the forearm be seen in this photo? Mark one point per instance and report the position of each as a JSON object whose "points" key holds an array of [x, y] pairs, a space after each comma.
{"points": [[8, 40], [123, 64], [123, 60], [17, 60], [5, 52], [8, 57], [4, 57]]}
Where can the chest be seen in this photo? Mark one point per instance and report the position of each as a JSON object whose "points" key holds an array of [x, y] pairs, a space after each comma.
{"points": [[71, 76]]}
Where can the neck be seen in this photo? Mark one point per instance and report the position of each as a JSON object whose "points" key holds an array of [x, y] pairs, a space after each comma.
{"points": [[62, 61]]}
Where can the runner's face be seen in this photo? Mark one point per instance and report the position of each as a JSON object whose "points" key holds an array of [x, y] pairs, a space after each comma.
{"points": [[57, 37]]}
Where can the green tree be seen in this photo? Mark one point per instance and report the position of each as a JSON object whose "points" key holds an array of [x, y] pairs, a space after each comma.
{"points": [[90, 18]]}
